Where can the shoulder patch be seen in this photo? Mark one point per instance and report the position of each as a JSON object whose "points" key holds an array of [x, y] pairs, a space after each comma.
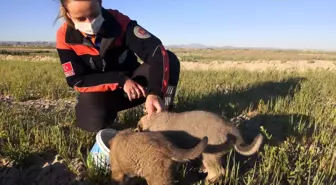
{"points": [[68, 69], [141, 33]]}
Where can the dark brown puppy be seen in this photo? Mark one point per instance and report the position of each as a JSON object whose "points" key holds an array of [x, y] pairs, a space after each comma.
{"points": [[198, 124], [148, 155]]}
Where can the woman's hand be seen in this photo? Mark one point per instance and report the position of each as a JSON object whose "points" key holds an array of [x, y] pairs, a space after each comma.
{"points": [[153, 102], [133, 90]]}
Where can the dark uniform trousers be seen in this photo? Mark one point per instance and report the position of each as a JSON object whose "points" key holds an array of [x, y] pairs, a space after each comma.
{"points": [[98, 110]]}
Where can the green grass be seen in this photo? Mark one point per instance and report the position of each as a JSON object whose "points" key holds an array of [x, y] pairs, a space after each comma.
{"points": [[33, 80], [204, 55], [23, 53], [296, 113]]}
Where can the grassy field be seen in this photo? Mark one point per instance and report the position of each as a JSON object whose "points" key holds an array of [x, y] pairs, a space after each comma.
{"points": [[295, 111], [206, 55]]}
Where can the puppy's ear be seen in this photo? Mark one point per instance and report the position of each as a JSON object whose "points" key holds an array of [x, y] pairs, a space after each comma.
{"points": [[139, 126], [144, 110], [140, 123], [110, 141]]}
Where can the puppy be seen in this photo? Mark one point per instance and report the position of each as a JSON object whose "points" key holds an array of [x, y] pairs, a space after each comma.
{"points": [[187, 126], [148, 155]]}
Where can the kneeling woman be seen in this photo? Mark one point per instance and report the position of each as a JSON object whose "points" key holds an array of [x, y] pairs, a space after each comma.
{"points": [[98, 50]]}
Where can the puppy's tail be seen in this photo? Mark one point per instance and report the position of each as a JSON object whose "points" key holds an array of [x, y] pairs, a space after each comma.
{"points": [[184, 155], [249, 149]]}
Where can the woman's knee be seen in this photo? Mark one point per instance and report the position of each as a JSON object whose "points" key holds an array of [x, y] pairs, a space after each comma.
{"points": [[174, 61], [92, 113], [174, 68], [90, 122]]}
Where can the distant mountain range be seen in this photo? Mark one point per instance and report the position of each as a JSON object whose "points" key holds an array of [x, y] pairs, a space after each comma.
{"points": [[23, 43], [198, 46]]}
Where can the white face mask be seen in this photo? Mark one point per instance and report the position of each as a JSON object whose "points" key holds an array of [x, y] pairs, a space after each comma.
{"points": [[90, 28]]}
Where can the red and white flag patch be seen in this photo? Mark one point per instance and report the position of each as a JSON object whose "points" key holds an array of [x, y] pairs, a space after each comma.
{"points": [[68, 69], [141, 33]]}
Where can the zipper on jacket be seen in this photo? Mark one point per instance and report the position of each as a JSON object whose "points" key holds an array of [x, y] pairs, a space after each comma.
{"points": [[104, 65]]}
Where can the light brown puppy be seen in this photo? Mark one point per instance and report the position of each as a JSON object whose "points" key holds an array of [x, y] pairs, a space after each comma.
{"points": [[148, 155], [188, 127]]}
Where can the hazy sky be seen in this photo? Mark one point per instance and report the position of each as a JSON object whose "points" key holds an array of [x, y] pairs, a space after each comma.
{"points": [[283, 23]]}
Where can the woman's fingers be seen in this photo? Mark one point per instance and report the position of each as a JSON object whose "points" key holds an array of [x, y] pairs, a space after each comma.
{"points": [[134, 92], [137, 90], [142, 90], [129, 95]]}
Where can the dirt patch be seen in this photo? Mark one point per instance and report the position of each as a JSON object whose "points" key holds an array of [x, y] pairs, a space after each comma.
{"points": [[261, 65], [300, 66], [6, 99], [47, 104], [39, 104], [35, 58], [42, 171]]}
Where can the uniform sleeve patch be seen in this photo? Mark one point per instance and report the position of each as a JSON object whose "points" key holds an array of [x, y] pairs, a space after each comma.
{"points": [[141, 33], [68, 69]]}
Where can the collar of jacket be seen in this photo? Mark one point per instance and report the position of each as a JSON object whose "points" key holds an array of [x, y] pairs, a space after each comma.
{"points": [[110, 30]]}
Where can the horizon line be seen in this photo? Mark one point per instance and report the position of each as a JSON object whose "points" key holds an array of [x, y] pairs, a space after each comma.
{"points": [[204, 46]]}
